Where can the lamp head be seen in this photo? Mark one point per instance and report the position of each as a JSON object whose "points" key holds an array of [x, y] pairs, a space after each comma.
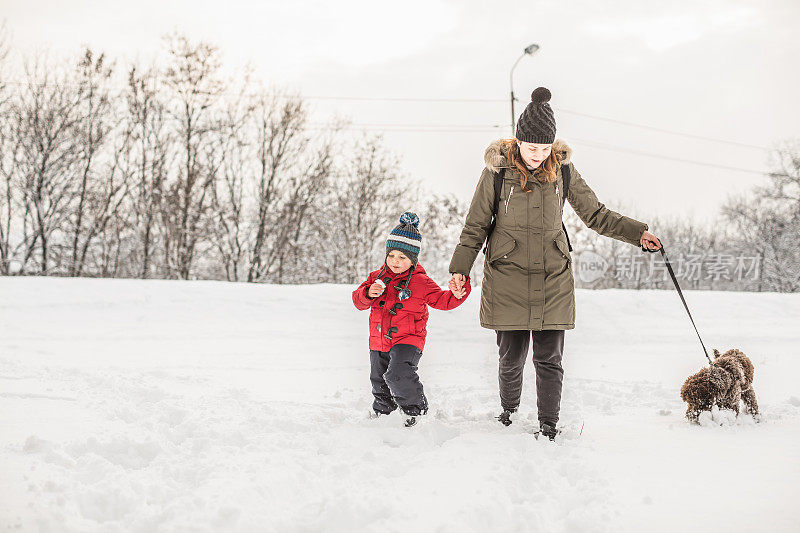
{"points": [[531, 49]]}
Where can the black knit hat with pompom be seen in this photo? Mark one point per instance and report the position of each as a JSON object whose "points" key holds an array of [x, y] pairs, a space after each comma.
{"points": [[536, 124]]}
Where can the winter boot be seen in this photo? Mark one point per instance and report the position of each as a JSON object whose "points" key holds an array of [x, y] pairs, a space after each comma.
{"points": [[505, 416], [410, 421], [548, 431]]}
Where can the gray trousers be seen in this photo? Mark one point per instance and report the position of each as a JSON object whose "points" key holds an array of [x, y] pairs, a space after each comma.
{"points": [[548, 348], [395, 381]]}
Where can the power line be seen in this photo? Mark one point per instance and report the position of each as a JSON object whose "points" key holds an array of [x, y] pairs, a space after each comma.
{"points": [[409, 99], [485, 128], [420, 127], [559, 108], [391, 128], [661, 130], [473, 100], [666, 157]]}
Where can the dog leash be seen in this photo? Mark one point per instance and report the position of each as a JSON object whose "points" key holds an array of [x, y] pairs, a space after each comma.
{"points": [[680, 293]]}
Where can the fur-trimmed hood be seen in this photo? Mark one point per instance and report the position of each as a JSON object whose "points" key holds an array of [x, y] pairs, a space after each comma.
{"points": [[495, 155]]}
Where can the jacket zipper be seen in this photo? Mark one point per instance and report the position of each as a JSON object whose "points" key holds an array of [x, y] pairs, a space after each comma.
{"points": [[509, 198]]}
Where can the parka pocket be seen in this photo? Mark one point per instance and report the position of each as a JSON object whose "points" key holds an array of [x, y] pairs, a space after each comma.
{"points": [[501, 248], [565, 274], [562, 248]]}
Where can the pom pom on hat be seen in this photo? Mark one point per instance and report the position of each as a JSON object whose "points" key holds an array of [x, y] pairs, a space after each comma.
{"points": [[537, 124], [540, 95], [409, 218]]}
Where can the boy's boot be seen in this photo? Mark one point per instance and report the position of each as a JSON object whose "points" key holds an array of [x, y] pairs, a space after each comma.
{"points": [[548, 431], [505, 416]]}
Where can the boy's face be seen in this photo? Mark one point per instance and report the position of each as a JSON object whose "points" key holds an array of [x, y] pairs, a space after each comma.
{"points": [[397, 261]]}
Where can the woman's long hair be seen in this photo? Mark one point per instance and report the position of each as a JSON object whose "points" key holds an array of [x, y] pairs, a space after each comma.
{"points": [[545, 172]]}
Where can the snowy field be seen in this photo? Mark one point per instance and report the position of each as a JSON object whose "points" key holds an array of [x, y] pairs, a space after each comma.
{"points": [[203, 406]]}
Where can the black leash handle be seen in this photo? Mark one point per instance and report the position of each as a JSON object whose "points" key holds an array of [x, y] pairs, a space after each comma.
{"points": [[675, 281]]}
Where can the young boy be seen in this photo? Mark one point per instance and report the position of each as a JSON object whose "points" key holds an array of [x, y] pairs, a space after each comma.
{"points": [[397, 295]]}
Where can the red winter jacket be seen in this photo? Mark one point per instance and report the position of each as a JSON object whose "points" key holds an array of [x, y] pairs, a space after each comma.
{"points": [[412, 318]]}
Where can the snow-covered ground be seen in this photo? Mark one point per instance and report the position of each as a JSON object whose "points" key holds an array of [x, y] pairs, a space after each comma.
{"points": [[202, 406]]}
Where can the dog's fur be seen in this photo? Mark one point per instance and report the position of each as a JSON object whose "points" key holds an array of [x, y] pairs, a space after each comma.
{"points": [[728, 380]]}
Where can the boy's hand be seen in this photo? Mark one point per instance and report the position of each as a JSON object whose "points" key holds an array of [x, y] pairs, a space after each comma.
{"points": [[375, 290], [458, 293]]}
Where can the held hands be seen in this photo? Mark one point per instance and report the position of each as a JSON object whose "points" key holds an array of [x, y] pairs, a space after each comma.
{"points": [[650, 241], [456, 285]]}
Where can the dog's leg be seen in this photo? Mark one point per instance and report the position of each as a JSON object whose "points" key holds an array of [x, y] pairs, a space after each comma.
{"points": [[697, 407], [749, 398], [730, 400], [736, 396]]}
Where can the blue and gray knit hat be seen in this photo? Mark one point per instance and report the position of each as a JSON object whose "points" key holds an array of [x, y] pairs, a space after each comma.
{"points": [[405, 237]]}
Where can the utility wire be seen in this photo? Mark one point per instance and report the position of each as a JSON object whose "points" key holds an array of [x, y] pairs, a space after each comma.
{"points": [[466, 100], [466, 128], [612, 148], [408, 99], [601, 146], [661, 130], [558, 108], [485, 128]]}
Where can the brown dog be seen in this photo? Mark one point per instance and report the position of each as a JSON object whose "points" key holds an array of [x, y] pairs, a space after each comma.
{"points": [[728, 380]]}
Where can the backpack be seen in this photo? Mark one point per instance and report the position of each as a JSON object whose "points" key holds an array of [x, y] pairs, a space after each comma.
{"points": [[498, 185]]}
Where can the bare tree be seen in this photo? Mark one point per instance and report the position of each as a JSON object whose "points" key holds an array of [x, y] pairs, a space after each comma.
{"points": [[193, 79], [785, 178], [280, 142], [228, 193], [145, 161], [9, 146], [98, 195], [45, 120], [304, 192]]}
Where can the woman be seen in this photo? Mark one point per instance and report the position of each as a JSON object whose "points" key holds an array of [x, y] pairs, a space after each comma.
{"points": [[528, 291]]}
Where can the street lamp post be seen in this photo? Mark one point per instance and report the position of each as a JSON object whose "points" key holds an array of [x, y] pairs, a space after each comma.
{"points": [[530, 50]]}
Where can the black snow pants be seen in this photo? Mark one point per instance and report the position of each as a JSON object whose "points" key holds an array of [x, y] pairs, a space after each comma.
{"points": [[395, 381], [548, 348]]}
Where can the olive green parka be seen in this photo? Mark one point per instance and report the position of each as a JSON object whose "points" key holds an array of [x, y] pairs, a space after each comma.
{"points": [[527, 276]]}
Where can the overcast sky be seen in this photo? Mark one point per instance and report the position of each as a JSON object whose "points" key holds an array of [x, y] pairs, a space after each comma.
{"points": [[717, 69]]}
